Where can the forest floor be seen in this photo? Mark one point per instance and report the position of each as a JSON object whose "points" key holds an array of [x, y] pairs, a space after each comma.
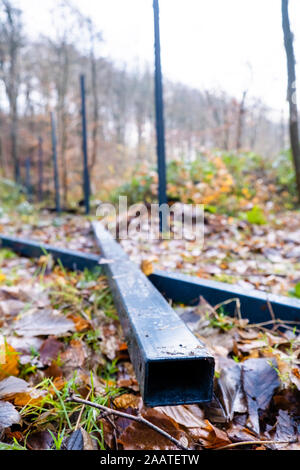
{"points": [[62, 342]]}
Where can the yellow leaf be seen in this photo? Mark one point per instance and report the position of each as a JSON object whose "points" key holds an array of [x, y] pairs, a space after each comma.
{"points": [[147, 267], [2, 277], [127, 401]]}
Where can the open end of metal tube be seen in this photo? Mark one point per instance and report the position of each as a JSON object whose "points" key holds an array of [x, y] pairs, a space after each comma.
{"points": [[182, 381]]}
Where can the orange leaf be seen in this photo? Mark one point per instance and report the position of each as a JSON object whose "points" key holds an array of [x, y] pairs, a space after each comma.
{"points": [[80, 323], [215, 437], [33, 397], [147, 267], [10, 366]]}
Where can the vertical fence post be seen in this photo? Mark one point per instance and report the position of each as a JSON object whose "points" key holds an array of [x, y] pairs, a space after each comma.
{"points": [[86, 177], [160, 125], [28, 178], [55, 166], [40, 170]]}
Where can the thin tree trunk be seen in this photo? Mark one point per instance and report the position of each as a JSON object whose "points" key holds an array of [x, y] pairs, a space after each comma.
{"points": [[240, 123], [14, 141], [95, 112], [291, 93]]}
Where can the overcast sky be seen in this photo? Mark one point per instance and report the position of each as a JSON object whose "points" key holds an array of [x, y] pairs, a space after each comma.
{"points": [[215, 44]]}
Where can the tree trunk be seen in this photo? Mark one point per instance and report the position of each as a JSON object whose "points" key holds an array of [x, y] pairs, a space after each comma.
{"points": [[291, 93], [240, 123], [95, 111]]}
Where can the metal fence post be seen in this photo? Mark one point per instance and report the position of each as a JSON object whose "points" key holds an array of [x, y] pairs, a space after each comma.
{"points": [[86, 177], [40, 169], [28, 178], [160, 126], [55, 166]]}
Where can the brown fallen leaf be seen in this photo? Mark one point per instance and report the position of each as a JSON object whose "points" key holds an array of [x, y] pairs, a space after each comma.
{"points": [[75, 355], [230, 391], [50, 350], [126, 377], [139, 437], [41, 440], [88, 442], [295, 377], [190, 416], [211, 437], [80, 323]]}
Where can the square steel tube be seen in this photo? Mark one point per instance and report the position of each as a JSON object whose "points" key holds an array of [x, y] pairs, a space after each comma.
{"points": [[74, 260], [171, 365], [257, 306]]}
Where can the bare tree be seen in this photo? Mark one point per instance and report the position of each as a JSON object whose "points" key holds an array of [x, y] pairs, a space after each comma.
{"points": [[291, 92], [11, 42], [240, 121]]}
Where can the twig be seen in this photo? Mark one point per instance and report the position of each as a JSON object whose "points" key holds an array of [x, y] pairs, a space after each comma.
{"points": [[81, 412], [270, 322], [249, 443], [229, 301], [137, 419], [271, 311]]}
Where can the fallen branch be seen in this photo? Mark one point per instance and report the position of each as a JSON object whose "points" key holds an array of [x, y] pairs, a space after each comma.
{"points": [[137, 419], [249, 443]]}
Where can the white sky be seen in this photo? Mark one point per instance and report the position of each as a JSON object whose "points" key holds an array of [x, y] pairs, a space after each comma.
{"points": [[214, 44]]}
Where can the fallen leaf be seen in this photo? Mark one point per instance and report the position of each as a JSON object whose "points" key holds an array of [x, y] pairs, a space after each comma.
{"points": [[11, 386], [43, 323], [75, 441], [8, 415], [41, 440], [147, 267], [137, 436], [190, 416], [231, 395], [295, 377], [80, 323], [50, 350], [11, 308], [31, 397], [260, 380], [285, 428], [88, 442], [75, 355], [127, 401], [10, 365], [212, 438]]}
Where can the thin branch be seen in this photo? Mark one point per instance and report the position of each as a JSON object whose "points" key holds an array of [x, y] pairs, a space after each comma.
{"points": [[249, 443], [276, 321], [229, 301], [81, 412], [137, 419]]}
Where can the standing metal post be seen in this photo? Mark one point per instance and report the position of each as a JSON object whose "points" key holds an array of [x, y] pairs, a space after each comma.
{"points": [[86, 176], [160, 125], [40, 170], [55, 166], [28, 178]]}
